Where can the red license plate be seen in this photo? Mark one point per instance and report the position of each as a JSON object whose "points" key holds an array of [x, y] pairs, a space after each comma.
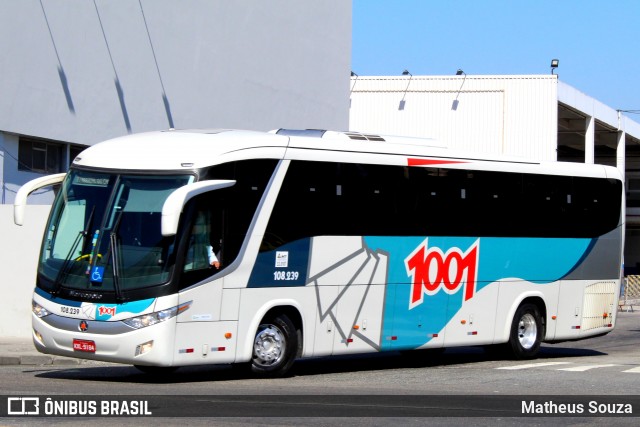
{"points": [[84, 345]]}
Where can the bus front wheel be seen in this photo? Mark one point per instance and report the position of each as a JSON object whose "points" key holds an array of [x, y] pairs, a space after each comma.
{"points": [[526, 332], [274, 347]]}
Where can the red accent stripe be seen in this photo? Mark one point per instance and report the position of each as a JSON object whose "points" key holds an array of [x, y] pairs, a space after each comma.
{"points": [[430, 162]]}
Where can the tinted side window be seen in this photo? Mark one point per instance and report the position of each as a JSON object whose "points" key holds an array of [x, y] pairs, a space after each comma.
{"points": [[596, 205], [375, 200]]}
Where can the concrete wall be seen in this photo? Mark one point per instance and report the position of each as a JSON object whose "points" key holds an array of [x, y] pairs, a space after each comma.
{"points": [[85, 71], [81, 72], [20, 250]]}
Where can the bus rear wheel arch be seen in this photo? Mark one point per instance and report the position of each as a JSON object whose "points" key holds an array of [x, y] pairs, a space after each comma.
{"points": [[527, 330]]}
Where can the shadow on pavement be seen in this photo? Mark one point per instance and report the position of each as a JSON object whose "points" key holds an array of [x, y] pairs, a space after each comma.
{"points": [[308, 367]]}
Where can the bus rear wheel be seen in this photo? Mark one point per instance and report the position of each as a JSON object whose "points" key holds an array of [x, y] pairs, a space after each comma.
{"points": [[274, 347], [526, 332]]}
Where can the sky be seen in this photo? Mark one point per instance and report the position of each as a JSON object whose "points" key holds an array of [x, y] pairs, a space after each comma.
{"points": [[596, 41]]}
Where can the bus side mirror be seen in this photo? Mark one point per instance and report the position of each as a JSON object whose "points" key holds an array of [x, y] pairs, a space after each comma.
{"points": [[174, 204], [21, 197]]}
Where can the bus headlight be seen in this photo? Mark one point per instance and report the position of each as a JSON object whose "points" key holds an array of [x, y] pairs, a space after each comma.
{"points": [[156, 317], [39, 310]]}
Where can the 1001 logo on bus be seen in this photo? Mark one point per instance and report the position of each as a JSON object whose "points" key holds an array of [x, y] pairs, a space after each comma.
{"points": [[432, 270]]}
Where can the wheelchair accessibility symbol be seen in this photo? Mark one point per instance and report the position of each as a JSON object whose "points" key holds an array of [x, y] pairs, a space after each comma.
{"points": [[97, 273]]}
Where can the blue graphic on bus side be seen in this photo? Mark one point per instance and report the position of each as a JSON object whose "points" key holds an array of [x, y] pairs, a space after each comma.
{"points": [[429, 279], [285, 266]]}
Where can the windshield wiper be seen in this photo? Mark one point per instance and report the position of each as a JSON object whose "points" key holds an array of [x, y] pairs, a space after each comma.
{"points": [[66, 265], [114, 255]]}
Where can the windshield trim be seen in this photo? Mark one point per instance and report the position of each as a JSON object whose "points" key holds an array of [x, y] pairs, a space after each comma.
{"points": [[155, 172], [62, 268]]}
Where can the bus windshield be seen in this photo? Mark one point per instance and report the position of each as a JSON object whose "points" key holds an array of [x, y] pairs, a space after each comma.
{"points": [[104, 233]]}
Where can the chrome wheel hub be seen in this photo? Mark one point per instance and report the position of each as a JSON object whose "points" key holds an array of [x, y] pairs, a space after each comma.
{"points": [[269, 346], [527, 331]]}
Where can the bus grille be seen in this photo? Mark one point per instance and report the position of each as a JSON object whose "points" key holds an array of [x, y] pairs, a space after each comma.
{"points": [[598, 305]]}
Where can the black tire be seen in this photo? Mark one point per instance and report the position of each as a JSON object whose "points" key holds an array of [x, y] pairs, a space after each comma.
{"points": [[156, 370], [527, 331], [274, 347]]}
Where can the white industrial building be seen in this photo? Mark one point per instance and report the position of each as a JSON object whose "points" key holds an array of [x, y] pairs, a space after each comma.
{"points": [[533, 117]]}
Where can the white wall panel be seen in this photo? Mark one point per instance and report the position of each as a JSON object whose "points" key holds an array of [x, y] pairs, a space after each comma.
{"points": [[515, 116], [20, 248], [85, 71]]}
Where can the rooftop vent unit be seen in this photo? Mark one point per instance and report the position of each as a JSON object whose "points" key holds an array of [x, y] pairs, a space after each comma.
{"points": [[315, 133], [319, 133], [363, 137], [358, 136]]}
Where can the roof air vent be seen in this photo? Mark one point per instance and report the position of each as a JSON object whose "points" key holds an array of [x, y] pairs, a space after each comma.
{"points": [[363, 137], [316, 133]]}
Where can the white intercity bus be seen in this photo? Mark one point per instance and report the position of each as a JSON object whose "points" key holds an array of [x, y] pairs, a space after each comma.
{"points": [[184, 247]]}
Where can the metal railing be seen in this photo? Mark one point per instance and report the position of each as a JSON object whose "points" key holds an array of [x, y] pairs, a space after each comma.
{"points": [[630, 295]]}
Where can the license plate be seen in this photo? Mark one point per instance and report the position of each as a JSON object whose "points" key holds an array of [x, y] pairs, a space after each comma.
{"points": [[84, 345]]}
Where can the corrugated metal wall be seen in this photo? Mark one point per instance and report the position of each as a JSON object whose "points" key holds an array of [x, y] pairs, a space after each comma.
{"points": [[510, 115]]}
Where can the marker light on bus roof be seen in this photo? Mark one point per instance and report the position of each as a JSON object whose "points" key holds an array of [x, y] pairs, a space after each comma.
{"points": [[157, 317]]}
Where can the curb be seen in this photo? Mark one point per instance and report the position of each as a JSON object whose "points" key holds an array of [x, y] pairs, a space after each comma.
{"points": [[38, 360]]}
